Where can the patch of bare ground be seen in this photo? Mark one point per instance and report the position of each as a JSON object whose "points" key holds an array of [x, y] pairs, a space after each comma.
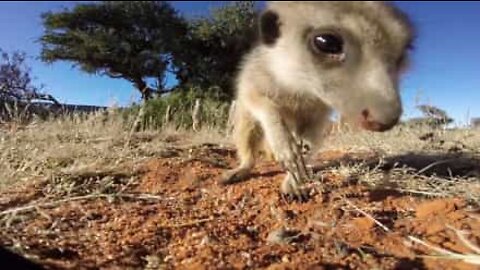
{"points": [[174, 215]]}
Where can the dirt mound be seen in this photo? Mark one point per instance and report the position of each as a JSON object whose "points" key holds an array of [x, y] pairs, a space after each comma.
{"points": [[191, 222]]}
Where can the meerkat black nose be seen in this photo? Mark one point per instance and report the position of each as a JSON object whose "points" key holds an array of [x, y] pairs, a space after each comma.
{"points": [[369, 123]]}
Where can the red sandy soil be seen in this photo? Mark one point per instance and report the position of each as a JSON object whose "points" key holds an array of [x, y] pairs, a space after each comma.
{"points": [[199, 224]]}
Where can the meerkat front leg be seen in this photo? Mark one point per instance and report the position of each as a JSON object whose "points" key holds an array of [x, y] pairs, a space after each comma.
{"points": [[285, 150], [311, 135], [297, 172], [247, 138]]}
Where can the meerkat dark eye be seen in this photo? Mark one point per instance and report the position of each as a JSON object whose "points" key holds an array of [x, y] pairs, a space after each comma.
{"points": [[328, 43]]}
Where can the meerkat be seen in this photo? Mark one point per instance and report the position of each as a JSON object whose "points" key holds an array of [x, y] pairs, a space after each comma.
{"points": [[313, 58]]}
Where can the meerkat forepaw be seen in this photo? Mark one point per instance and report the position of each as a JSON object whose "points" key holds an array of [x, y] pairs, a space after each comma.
{"points": [[291, 160], [296, 166], [290, 155], [293, 191], [234, 176]]}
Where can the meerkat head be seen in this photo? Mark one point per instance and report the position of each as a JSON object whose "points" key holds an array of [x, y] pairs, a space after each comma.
{"points": [[349, 54]]}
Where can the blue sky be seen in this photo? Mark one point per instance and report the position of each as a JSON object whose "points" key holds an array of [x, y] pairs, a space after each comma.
{"points": [[445, 71]]}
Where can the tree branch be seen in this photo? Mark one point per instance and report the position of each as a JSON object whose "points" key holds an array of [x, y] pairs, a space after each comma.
{"points": [[113, 75]]}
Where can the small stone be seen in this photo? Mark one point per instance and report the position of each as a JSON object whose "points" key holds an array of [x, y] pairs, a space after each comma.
{"points": [[282, 235], [205, 240]]}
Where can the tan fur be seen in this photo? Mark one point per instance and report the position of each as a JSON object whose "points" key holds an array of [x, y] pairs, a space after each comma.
{"points": [[285, 93]]}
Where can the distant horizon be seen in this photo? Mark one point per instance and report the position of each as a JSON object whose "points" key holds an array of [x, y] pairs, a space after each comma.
{"points": [[444, 72]]}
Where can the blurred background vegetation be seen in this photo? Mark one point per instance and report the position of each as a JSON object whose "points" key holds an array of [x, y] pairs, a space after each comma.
{"points": [[144, 42]]}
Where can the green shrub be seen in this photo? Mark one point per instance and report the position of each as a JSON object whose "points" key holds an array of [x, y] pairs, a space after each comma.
{"points": [[213, 112]]}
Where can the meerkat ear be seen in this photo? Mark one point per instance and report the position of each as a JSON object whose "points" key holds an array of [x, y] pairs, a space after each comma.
{"points": [[269, 27]]}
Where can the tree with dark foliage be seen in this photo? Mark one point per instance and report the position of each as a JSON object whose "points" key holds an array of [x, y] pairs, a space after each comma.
{"points": [[212, 50], [132, 40], [434, 115]]}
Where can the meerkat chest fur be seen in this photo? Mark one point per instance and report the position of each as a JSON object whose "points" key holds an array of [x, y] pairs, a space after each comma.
{"points": [[258, 85]]}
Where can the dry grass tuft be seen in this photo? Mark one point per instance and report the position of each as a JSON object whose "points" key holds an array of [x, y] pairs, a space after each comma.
{"points": [[99, 156], [73, 150], [445, 164]]}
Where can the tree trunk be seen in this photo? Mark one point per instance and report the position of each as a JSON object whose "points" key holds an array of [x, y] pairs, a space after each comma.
{"points": [[144, 89]]}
